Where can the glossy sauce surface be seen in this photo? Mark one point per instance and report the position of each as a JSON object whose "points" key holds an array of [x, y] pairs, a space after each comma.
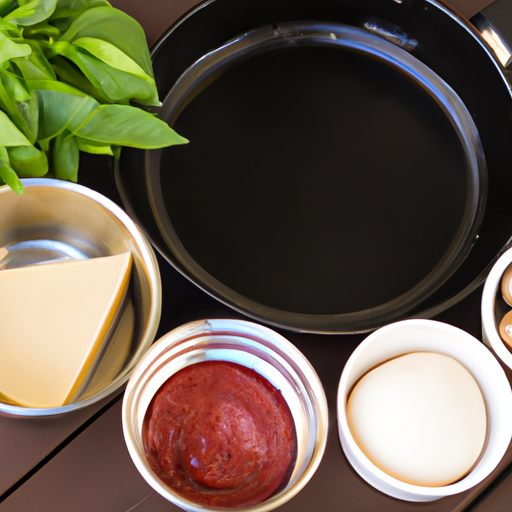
{"points": [[220, 434]]}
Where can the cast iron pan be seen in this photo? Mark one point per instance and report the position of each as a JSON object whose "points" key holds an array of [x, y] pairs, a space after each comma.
{"points": [[334, 181]]}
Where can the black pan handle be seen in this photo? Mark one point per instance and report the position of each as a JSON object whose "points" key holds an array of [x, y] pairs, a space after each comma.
{"points": [[495, 24]]}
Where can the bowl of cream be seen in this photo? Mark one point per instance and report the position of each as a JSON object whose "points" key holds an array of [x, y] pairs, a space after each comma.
{"points": [[424, 410]]}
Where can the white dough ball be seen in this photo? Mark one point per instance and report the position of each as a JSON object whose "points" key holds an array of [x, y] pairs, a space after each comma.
{"points": [[420, 417]]}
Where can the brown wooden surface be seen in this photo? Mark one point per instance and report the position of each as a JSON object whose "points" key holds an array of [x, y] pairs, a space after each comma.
{"points": [[498, 501], [468, 8], [95, 472], [25, 442]]}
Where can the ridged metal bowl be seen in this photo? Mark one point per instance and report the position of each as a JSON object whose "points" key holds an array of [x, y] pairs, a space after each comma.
{"points": [[247, 344]]}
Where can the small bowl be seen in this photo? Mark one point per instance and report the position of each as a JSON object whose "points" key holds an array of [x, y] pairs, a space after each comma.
{"points": [[57, 220], [247, 344], [494, 308], [427, 335]]}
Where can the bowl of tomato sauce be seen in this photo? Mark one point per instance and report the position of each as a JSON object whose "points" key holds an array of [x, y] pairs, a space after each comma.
{"points": [[225, 414]]}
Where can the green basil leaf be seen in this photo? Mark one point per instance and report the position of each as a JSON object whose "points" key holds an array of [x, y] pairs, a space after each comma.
{"points": [[95, 148], [67, 10], [109, 54], [41, 29], [32, 12], [116, 85], [10, 30], [7, 173], [45, 145], [124, 125], [114, 27], [28, 161], [61, 109], [53, 85], [10, 135], [62, 65], [17, 101], [6, 6], [9, 49], [35, 66], [15, 86], [65, 157], [70, 74]]}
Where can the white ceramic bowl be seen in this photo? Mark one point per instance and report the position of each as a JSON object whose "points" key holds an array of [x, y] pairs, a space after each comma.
{"points": [[494, 308], [248, 344], [427, 335]]}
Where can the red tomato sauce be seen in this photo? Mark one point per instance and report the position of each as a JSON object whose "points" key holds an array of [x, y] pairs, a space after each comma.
{"points": [[220, 434]]}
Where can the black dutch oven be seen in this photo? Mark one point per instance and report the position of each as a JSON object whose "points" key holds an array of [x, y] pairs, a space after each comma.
{"points": [[349, 161]]}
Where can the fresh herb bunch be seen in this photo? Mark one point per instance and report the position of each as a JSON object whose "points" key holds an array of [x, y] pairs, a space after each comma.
{"points": [[75, 75]]}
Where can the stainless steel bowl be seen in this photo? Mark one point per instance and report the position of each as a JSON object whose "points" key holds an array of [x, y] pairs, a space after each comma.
{"points": [[56, 220], [248, 344]]}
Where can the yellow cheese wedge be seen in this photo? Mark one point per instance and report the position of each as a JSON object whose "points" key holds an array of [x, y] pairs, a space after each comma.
{"points": [[116, 353], [53, 322]]}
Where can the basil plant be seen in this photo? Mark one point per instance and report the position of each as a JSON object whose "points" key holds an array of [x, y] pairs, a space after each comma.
{"points": [[75, 75]]}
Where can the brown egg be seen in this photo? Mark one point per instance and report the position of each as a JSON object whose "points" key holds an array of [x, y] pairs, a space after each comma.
{"points": [[506, 285], [506, 330]]}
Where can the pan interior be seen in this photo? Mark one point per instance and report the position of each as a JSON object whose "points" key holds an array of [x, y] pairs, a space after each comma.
{"points": [[318, 180]]}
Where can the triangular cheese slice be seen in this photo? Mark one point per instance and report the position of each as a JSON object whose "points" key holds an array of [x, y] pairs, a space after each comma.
{"points": [[116, 354], [53, 321]]}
